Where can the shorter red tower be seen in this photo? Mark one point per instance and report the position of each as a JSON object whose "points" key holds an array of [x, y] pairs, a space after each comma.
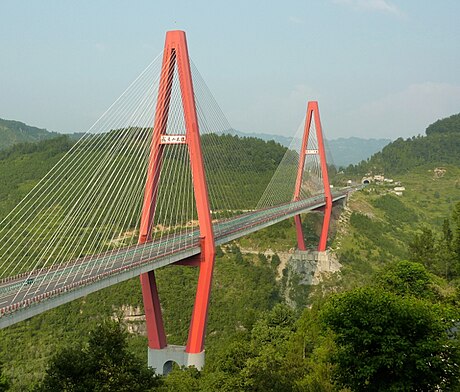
{"points": [[313, 114]]}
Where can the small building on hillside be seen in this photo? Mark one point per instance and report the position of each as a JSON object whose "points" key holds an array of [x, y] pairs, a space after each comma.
{"points": [[398, 190], [439, 172]]}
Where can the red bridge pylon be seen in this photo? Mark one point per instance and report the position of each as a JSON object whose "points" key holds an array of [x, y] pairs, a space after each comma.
{"points": [[313, 113], [176, 54]]}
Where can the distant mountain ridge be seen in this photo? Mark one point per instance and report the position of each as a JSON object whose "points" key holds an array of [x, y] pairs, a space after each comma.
{"points": [[346, 151], [440, 146], [341, 152], [14, 132], [283, 140]]}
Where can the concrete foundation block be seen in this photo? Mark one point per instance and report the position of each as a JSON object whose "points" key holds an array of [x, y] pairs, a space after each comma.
{"points": [[162, 360]]}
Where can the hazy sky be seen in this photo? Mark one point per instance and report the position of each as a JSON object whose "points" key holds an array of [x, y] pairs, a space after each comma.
{"points": [[379, 68]]}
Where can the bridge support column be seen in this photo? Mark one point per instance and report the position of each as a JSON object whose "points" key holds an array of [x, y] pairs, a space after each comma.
{"points": [[176, 55], [299, 232], [313, 113]]}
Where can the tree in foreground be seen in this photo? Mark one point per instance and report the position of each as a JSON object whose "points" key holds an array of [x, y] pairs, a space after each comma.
{"points": [[439, 251], [386, 342], [4, 383], [104, 364]]}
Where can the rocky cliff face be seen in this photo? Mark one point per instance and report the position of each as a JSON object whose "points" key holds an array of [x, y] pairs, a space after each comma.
{"points": [[133, 318]]}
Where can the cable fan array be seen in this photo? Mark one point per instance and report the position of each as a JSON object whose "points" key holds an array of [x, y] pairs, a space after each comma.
{"points": [[88, 203], [280, 189], [81, 220]]}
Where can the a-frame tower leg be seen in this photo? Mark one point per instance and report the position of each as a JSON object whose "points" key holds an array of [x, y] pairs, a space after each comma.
{"points": [[176, 54], [313, 114]]}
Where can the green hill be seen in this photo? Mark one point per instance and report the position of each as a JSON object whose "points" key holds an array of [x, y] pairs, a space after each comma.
{"points": [[255, 342], [345, 151], [23, 165], [447, 125], [238, 284], [379, 226], [440, 146], [13, 132], [340, 152]]}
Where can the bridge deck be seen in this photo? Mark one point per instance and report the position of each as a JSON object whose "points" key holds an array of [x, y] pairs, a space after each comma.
{"points": [[37, 297]]}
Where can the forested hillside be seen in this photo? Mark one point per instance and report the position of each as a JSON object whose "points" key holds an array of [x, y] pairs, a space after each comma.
{"points": [[386, 322], [13, 132], [440, 146], [23, 165]]}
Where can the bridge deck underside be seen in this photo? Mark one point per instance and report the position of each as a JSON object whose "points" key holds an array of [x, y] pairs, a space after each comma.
{"points": [[54, 293]]}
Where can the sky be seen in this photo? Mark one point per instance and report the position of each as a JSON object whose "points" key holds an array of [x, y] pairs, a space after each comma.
{"points": [[378, 68]]}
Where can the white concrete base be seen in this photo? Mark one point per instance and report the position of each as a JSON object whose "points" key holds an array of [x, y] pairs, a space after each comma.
{"points": [[162, 360]]}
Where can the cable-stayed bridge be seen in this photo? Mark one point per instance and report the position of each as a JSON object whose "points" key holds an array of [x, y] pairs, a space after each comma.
{"points": [[85, 278], [156, 181]]}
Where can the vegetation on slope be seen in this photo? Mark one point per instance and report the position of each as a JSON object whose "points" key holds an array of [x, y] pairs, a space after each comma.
{"points": [[23, 165], [356, 336], [446, 125], [382, 225], [440, 146], [396, 333], [14, 132], [103, 364]]}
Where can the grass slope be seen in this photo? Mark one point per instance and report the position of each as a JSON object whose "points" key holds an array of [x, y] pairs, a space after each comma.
{"points": [[381, 224]]}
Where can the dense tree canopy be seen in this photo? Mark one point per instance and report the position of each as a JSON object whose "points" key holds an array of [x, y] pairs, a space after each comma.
{"points": [[4, 382], [104, 364], [390, 343], [439, 252], [446, 125]]}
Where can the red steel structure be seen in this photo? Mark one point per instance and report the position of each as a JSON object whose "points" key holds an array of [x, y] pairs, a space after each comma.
{"points": [[176, 54], [313, 114]]}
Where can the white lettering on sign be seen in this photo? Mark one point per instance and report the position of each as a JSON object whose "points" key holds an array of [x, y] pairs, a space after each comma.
{"points": [[311, 152], [172, 139]]}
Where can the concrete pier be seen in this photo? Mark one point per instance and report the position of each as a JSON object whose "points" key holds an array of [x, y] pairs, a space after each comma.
{"points": [[162, 360]]}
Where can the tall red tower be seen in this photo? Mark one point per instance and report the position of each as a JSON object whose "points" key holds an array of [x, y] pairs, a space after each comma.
{"points": [[313, 114], [160, 354]]}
